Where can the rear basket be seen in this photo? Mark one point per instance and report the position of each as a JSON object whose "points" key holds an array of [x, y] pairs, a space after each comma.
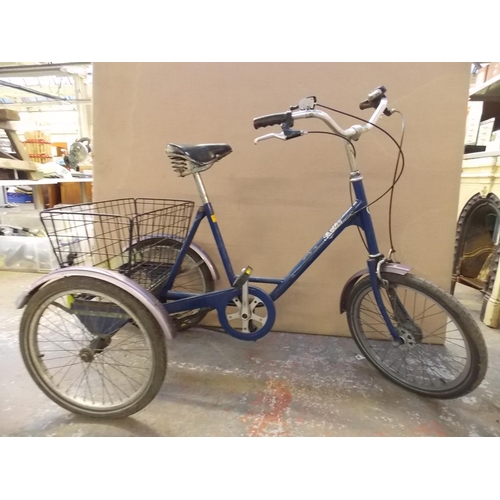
{"points": [[107, 234]]}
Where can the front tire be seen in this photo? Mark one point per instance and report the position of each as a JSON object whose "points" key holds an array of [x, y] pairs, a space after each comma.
{"points": [[443, 355]]}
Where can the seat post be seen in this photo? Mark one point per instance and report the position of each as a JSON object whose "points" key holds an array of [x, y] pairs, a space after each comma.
{"points": [[201, 188]]}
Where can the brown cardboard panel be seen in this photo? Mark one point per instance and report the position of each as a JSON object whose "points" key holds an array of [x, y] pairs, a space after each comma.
{"points": [[276, 199]]}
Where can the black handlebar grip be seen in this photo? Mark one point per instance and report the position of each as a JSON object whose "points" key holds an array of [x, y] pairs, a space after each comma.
{"points": [[366, 104], [275, 119]]}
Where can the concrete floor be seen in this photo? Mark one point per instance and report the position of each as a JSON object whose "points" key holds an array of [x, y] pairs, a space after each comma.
{"points": [[282, 385]]}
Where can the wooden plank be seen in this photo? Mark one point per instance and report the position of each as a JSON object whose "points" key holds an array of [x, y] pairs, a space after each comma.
{"points": [[34, 176], [18, 165], [17, 145], [7, 126], [7, 115]]}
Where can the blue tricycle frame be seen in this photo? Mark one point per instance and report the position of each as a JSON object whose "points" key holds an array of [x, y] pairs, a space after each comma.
{"points": [[357, 215]]}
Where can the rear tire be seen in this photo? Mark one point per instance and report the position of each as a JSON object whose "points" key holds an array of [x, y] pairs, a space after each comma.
{"points": [[92, 348], [439, 365]]}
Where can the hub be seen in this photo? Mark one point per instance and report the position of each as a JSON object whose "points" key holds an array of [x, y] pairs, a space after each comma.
{"points": [[407, 337], [87, 355]]}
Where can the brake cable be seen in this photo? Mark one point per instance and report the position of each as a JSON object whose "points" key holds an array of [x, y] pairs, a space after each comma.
{"points": [[395, 178]]}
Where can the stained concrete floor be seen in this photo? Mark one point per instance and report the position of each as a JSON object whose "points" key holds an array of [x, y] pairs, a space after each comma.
{"points": [[282, 385]]}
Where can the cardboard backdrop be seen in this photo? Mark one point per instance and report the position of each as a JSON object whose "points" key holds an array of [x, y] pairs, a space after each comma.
{"points": [[276, 199]]}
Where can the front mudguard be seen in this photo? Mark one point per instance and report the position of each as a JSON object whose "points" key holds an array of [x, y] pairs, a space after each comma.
{"points": [[145, 297], [388, 267]]}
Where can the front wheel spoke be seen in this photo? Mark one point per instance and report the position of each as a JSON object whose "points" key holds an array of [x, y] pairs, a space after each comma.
{"points": [[433, 370], [384, 334], [386, 350], [422, 314], [403, 355], [394, 361], [231, 317], [373, 314], [371, 321], [440, 335], [423, 369], [446, 364], [445, 340], [437, 329], [430, 315]]}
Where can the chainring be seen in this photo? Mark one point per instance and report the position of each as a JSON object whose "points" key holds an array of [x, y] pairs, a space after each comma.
{"points": [[261, 318]]}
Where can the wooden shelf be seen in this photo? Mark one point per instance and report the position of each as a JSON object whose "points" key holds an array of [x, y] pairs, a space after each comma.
{"points": [[487, 91]]}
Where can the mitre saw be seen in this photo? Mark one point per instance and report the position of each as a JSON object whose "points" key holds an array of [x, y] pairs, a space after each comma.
{"points": [[78, 152]]}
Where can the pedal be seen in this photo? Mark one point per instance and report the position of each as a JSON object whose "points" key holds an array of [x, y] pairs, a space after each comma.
{"points": [[243, 277]]}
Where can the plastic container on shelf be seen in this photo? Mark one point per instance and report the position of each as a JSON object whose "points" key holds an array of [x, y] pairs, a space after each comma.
{"points": [[26, 253], [19, 198]]}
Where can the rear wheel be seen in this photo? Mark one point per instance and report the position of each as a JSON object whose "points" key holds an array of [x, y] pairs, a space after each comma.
{"points": [[193, 277], [93, 348], [442, 353]]}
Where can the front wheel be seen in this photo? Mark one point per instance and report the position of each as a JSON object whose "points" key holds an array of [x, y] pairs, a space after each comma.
{"points": [[441, 354]]}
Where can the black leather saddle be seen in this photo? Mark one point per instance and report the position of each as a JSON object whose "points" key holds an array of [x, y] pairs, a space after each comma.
{"points": [[201, 154]]}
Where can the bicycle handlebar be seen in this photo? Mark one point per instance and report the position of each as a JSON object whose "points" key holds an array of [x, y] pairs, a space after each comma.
{"points": [[352, 132], [274, 119], [288, 118], [365, 105]]}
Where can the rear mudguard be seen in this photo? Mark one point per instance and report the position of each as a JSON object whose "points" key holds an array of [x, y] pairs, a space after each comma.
{"points": [[196, 248], [390, 267], [146, 298], [208, 261]]}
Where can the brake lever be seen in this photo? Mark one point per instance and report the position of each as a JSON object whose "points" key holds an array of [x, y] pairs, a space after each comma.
{"points": [[284, 136], [281, 136]]}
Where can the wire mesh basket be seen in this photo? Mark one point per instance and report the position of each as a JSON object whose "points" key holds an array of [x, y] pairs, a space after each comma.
{"points": [[113, 234]]}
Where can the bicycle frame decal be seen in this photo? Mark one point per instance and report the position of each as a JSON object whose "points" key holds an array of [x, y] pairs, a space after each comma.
{"points": [[332, 230]]}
